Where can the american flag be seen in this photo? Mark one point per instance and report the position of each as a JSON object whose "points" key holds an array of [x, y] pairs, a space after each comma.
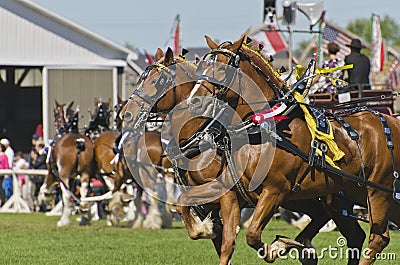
{"points": [[332, 34]]}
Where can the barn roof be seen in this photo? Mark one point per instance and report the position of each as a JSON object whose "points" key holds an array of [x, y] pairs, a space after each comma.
{"points": [[33, 35]]}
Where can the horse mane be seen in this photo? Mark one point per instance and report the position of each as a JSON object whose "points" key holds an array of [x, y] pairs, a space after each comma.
{"points": [[260, 60], [179, 59]]}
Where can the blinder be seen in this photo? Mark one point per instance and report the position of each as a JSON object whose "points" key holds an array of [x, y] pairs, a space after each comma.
{"points": [[164, 81], [223, 75]]}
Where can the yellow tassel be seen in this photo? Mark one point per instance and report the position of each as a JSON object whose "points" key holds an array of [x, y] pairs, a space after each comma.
{"points": [[312, 126]]}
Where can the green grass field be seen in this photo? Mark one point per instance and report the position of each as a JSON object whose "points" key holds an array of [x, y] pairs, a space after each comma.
{"points": [[35, 239]]}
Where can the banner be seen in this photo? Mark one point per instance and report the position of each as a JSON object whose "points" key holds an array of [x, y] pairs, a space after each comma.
{"points": [[272, 40], [176, 33], [377, 47]]}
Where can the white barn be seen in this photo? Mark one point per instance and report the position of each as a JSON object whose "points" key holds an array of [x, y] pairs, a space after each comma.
{"points": [[45, 57]]}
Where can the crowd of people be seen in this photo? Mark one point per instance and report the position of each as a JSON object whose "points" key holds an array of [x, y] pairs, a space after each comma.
{"points": [[17, 160], [29, 185]]}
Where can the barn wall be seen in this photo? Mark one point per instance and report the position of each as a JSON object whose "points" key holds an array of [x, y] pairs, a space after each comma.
{"points": [[80, 86]]}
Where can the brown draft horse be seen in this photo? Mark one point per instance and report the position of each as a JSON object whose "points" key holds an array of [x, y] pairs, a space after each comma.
{"points": [[123, 173], [113, 174], [179, 94], [287, 168], [70, 155], [103, 149]]}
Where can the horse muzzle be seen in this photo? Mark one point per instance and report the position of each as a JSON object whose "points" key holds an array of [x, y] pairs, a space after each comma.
{"points": [[201, 106]]}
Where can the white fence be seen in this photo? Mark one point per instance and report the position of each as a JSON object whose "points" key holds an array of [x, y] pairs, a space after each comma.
{"points": [[16, 203]]}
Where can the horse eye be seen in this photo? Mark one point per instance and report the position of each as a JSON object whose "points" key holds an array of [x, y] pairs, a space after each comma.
{"points": [[211, 60], [221, 68]]}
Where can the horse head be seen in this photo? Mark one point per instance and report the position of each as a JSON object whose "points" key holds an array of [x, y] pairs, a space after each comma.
{"points": [[63, 113], [118, 110], [102, 112], [161, 86], [234, 73]]}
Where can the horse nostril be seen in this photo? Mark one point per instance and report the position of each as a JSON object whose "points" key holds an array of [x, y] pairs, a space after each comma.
{"points": [[128, 116], [195, 101]]}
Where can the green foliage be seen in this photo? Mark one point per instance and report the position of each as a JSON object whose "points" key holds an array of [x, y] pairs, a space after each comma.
{"points": [[35, 239], [130, 46], [361, 27], [303, 44], [390, 29]]}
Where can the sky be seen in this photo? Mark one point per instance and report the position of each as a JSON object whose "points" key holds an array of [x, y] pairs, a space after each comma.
{"points": [[147, 24]]}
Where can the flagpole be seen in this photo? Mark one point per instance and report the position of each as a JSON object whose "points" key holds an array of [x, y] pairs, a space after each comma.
{"points": [[290, 48], [372, 36], [320, 54]]}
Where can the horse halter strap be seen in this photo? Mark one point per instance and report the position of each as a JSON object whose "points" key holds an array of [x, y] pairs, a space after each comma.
{"points": [[230, 72], [234, 61], [165, 81]]}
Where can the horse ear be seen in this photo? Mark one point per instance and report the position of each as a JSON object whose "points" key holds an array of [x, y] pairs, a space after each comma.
{"points": [[237, 44], [159, 54], [212, 44], [70, 104], [120, 101], [96, 101], [57, 104], [169, 57]]}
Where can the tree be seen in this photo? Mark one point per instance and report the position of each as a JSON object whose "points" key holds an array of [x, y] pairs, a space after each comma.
{"points": [[130, 46], [390, 29]]}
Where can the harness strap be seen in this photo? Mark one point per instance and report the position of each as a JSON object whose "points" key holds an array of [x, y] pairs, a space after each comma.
{"points": [[389, 142], [184, 186], [288, 146], [353, 134], [232, 169]]}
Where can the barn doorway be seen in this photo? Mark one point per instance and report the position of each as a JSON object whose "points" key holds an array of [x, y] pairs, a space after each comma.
{"points": [[20, 104]]}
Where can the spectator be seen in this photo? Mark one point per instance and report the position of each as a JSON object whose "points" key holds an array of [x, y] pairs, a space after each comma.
{"points": [[37, 161], [324, 84], [9, 151], [35, 138], [98, 189], [5, 192], [359, 75], [21, 163], [39, 130]]}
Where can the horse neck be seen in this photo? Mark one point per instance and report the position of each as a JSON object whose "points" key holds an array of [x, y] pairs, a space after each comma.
{"points": [[266, 68], [263, 92]]}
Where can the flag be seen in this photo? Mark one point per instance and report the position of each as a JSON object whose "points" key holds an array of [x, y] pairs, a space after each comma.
{"points": [[272, 40], [176, 35], [377, 47], [334, 34], [149, 59], [393, 77]]}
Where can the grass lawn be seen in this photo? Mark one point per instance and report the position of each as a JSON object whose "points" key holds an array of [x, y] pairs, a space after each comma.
{"points": [[35, 239]]}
